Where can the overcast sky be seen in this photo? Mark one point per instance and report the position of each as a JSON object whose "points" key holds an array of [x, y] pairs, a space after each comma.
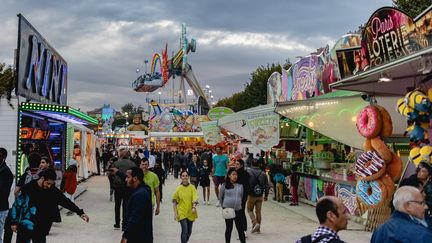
{"points": [[104, 41]]}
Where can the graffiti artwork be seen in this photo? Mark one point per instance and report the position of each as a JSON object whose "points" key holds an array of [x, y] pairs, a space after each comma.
{"points": [[348, 196], [305, 78]]}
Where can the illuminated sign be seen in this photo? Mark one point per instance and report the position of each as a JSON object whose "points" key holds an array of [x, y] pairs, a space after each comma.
{"points": [[42, 72], [389, 35]]}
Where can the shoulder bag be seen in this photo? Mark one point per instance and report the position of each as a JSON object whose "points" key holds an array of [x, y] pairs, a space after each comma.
{"points": [[229, 213]]}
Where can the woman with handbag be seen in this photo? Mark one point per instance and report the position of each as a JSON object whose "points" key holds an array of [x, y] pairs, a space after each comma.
{"points": [[185, 200], [231, 194]]}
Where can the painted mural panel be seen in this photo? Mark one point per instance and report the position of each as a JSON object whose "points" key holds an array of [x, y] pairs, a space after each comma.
{"points": [[305, 78]]}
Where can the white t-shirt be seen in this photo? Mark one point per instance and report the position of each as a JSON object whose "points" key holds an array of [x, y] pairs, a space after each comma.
{"points": [[152, 161]]}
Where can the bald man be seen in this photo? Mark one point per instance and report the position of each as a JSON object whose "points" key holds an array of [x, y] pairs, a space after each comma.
{"points": [[332, 216], [407, 223]]}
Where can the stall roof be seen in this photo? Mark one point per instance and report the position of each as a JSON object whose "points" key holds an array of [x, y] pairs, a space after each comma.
{"points": [[59, 112], [405, 72], [175, 134], [236, 122], [333, 115]]}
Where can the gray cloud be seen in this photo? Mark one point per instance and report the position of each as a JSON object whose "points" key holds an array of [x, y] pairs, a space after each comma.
{"points": [[104, 41]]}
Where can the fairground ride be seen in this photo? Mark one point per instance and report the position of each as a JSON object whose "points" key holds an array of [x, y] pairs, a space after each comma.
{"points": [[169, 68]]}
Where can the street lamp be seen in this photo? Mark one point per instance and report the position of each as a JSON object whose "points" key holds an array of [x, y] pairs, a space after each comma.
{"points": [[207, 86], [159, 93]]}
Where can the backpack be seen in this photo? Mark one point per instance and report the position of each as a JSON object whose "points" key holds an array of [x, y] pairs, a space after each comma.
{"points": [[308, 239], [257, 188], [118, 182]]}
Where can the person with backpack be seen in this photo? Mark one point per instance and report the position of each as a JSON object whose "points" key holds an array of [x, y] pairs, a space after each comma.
{"points": [[332, 216], [258, 193], [35, 207], [121, 192]]}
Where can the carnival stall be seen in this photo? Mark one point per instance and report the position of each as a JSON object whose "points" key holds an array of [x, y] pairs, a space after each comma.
{"points": [[43, 128], [81, 146], [395, 60], [304, 94]]}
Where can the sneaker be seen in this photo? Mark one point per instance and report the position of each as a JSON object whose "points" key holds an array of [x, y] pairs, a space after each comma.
{"points": [[255, 228], [116, 226], [218, 204], [208, 203]]}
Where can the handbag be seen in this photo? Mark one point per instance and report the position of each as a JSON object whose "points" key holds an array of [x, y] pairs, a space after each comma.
{"points": [[228, 213]]}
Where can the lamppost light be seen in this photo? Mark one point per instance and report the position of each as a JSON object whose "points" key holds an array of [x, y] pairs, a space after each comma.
{"points": [[207, 86], [159, 93], [210, 91], [211, 96]]}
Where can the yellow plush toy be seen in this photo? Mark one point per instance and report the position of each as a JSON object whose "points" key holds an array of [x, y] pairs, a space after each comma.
{"points": [[417, 100], [415, 156], [402, 108], [426, 153]]}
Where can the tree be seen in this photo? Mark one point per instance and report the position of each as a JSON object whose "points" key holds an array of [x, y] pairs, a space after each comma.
{"points": [[6, 80], [412, 7], [255, 92]]}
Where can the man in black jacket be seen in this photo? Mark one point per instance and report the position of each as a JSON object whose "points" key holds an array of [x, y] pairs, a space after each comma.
{"points": [[35, 208], [6, 179], [138, 226]]}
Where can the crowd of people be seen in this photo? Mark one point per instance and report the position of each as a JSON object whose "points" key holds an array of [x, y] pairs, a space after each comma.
{"points": [[238, 187], [136, 186]]}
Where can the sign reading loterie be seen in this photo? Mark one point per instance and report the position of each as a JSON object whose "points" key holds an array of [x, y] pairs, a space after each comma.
{"points": [[42, 72], [264, 128], [389, 35], [211, 132]]}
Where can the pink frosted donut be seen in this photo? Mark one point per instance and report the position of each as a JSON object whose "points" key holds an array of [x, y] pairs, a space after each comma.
{"points": [[369, 122], [370, 166]]}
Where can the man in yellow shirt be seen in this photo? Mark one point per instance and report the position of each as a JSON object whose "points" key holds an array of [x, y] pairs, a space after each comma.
{"points": [[151, 180]]}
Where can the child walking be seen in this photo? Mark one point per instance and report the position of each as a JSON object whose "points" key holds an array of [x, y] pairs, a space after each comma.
{"points": [[204, 180]]}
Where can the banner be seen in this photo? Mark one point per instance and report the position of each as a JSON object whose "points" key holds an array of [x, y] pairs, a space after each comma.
{"points": [[211, 132], [42, 72], [349, 62], [264, 128]]}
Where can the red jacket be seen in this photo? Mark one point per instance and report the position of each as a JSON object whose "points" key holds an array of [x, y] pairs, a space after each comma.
{"points": [[71, 183]]}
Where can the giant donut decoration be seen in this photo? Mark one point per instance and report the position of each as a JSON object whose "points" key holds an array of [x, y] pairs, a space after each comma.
{"points": [[389, 185], [369, 122], [387, 124], [371, 193], [381, 148], [395, 167], [367, 146], [370, 166]]}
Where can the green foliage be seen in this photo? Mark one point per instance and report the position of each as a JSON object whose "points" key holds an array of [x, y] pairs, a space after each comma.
{"points": [[255, 92], [412, 7], [6, 79]]}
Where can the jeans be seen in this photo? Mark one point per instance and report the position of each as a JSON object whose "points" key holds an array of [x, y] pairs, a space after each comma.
{"points": [[3, 215], [243, 214], [254, 202], [25, 236], [121, 197], [239, 226], [186, 230]]}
